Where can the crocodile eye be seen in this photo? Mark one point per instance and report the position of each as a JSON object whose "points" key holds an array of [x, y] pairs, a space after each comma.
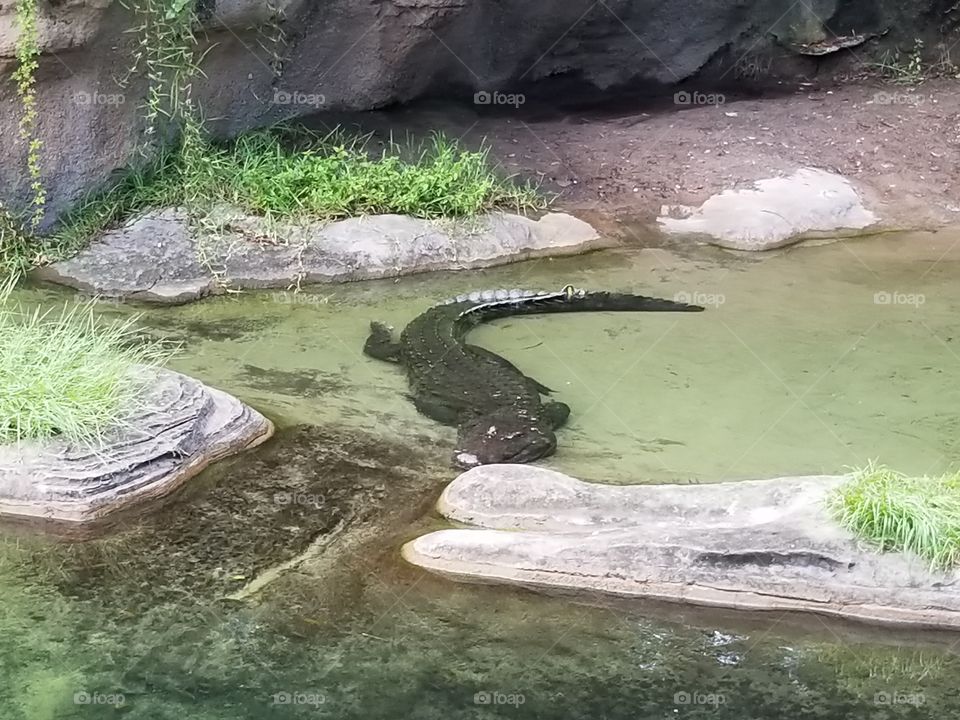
{"points": [[569, 291]]}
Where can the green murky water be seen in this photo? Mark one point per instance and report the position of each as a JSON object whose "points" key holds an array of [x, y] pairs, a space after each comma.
{"points": [[808, 361], [799, 370]]}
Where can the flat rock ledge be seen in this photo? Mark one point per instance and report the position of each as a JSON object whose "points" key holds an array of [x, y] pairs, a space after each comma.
{"points": [[757, 545], [180, 428], [775, 212], [162, 257]]}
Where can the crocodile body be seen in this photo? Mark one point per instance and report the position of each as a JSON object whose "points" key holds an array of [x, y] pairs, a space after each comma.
{"points": [[499, 412]]}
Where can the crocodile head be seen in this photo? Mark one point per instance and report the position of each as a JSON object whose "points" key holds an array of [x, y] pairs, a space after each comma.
{"points": [[503, 437]]}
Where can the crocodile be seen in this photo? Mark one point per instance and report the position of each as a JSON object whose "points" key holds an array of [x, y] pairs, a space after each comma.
{"points": [[498, 410]]}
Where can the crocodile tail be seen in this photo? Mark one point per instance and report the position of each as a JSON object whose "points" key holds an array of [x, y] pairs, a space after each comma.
{"points": [[641, 303], [573, 300], [491, 305]]}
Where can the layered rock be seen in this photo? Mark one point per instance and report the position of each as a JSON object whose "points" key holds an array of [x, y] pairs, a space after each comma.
{"points": [[759, 545], [179, 427]]}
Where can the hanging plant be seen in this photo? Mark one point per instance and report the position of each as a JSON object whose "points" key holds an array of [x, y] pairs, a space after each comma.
{"points": [[27, 52], [165, 54]]}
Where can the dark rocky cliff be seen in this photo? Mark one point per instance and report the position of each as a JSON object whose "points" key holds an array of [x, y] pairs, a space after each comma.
{"points": [[361, 54]]}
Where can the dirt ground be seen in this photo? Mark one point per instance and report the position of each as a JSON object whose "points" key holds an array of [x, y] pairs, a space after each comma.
{"points": [[899, 144]]}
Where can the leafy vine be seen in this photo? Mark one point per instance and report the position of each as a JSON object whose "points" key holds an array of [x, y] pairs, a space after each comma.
{"points": [[27, 51], [166, 54]]}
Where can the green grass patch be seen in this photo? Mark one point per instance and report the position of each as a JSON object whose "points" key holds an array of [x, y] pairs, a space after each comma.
{"points": [[893, 511], [17, 250], [64, 373], [294, 174], [336, 178]]}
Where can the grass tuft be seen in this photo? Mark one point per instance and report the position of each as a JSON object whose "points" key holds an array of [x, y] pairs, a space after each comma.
{"points": [[335, 177], [915, 66], [893, 511], [16, 249], [284, 173], [67, 374]]}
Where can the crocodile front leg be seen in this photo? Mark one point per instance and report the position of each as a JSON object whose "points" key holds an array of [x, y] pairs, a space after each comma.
{"points": [[504, 363], [381, 345]]}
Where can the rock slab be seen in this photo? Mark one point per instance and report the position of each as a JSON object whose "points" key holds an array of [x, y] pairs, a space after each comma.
{"points": [[160, 258], [773, 213], [755, 545], [180, 427]]}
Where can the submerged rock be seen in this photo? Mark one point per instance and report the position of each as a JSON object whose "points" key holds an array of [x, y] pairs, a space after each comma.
{"points": [[775, 212], [757, 545], [159, 258], [310, 494], [180, 427]]}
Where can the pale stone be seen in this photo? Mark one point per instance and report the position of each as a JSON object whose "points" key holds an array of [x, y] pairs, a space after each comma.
{"points": [[773, 213]]}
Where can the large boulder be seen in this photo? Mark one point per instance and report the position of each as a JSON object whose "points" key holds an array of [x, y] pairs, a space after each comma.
{"points": [[756, 545], [346, 55]]}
